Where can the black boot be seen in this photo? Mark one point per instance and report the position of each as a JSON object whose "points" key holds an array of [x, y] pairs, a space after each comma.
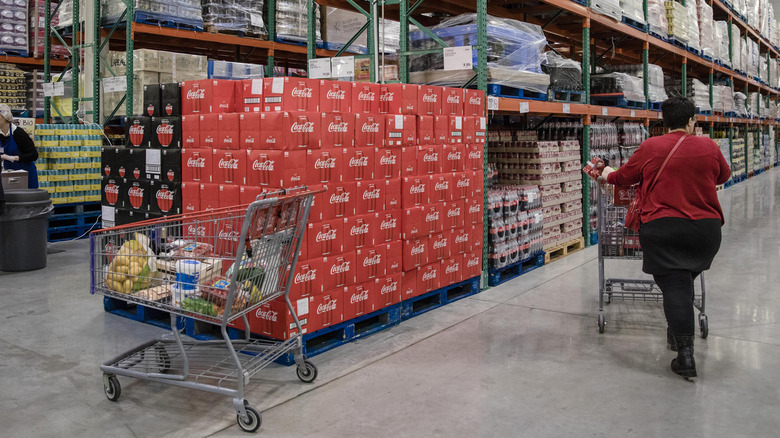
{"points": [[670, 339], [684, 364]]}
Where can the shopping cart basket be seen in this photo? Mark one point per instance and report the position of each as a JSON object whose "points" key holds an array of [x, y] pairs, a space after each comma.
{"points": [[214, 266], [616, 242]]}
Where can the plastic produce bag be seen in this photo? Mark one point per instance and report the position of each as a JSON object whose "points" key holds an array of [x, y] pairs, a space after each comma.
{"points": [[565, 74], [656, 17], [706, 29]]}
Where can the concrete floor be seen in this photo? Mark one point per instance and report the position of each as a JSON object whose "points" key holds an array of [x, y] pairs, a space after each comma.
{"points": [[521, 360]]}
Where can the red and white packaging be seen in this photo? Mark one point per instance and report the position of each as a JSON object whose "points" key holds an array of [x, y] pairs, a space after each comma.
{"points": [[209, 130], [228, 132], [388, 163], [359, 232], [394, 257], [338, 130], [474, 130], [339, 271], [274, 133], [209, 196], [428, 278], [336, 97], [326, 310], [409, 284], [228, 167], [190, 197], [461, 241], [388, 291], [229, 195], [471, 265], [440, 247], [455, 215], [400, 131], [370, 263], [247, 195], [359, 299], [370, 196], [190, 131], [452, 101], [474, 160], [250, 99], [398, 99], [324, 165], [388, 225], [249, 130], [275, 168], [209, 96], [226, 235], [441, 187], [137, 195], [339, 200], [433, 218], [429, 98], [412, 223], [112, 195], [359, 164], [409, 163], [476, 238], [275, 321], [307, 279], [166, 133], [324, 239], [454, 158], [415, 253], [430, 159], [415, 191], [441, 129], [304, 130], [425, 132], [165, 197], [393, 194], [473, 102], [477, 185], [291, 94], [369, 130], [463, 186], [365, 98], [138, 131], [196, 164], [451, 271], [456, 130]]}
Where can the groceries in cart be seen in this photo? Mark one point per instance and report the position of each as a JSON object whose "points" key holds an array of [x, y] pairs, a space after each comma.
{"points": [[594, 168]]}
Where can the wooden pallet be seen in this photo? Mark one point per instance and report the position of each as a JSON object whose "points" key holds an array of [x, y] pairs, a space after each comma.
{"points": [[563, 250]]}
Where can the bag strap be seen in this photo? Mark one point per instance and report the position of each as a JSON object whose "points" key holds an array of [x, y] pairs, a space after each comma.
{"points": [[674, 149]]}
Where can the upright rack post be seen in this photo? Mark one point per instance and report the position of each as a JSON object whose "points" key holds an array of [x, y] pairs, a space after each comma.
{"points": [[482, 85], [586, 128], [47, 61], [96, 64], [645, 68], [129, 46], [271, 26], [311, 33], [684, 88], [75, 61]]}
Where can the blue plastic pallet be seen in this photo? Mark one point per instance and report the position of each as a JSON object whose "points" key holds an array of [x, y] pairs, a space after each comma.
{"points": [[696, 52], [729, 183], [565, 96], [635, 24], [297, 41], [15, 52], [432, 300], [499, 276], [707, 57], [704, 113], [655, 106], [140, 313], [622, 102], [162, 20], [582, 2], [660, 37], [514, 93], [674, 41], [730, 114]]}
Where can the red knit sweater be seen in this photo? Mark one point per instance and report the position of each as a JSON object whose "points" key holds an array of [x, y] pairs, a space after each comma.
{"points": [[686, 188]]}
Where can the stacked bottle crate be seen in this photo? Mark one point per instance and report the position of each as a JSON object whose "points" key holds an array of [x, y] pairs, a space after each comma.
{"points": [[516, 224]]}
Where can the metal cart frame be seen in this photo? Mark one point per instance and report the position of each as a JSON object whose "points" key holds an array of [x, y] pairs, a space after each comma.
{"points": [[271, 232], [615, 242]]}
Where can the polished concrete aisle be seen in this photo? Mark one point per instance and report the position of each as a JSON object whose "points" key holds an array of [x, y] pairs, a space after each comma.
{"points": [[521, 360]]}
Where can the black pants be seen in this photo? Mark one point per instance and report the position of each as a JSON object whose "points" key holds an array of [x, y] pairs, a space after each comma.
{"points": [[677, 289]]}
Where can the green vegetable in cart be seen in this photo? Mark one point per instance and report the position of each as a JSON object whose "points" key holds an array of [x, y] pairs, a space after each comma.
{"points": [[199, 305]]}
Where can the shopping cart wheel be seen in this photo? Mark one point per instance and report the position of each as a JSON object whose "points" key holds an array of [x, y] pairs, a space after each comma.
{"points": [[704, 325], [253, 421], [602, 323], [309, 374], [111, 387]]}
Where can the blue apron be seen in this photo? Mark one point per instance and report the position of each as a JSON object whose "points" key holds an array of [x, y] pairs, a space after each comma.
{"points": [[10, 148]]}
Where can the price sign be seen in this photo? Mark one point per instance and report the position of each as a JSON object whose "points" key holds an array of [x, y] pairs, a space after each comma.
{"points": [[342, 67], [633, 113], [256, 20], [319, 68], [458, 58], [492, 103], [660, 116], [54, 89], [115, 84], [566, 108], [524, 107], [605, 111]]}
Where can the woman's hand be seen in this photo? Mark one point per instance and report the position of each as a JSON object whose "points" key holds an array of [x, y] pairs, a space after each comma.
{"points": [[605, 173], [9, 157]]}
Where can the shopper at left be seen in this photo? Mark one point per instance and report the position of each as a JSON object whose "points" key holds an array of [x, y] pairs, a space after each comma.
{"points": [[17, 148]]}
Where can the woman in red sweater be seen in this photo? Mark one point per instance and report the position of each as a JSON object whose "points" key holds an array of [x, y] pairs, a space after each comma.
{"points": [[681, 217]]}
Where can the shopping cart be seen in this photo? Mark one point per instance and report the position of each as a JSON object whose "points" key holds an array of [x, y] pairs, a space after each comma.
{"points": [[616, 242], [214, 266]]}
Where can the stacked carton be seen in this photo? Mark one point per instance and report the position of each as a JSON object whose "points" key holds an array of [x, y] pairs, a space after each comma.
{"points": [[69, 162]]}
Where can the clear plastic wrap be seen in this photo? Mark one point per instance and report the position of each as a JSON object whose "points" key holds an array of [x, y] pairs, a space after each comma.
{"points": [[752, 14], [740, 104], [699, 92], [633, 9], [177, 11], [752, 104], [725, 102], [234, 70], [655, 79], [740, 6], [610, 8], [736, 54], [656, 17], [677, 16], [235, 15], [722, 41], [744, 56], [631, 87], [339, 26], [763, 72], [292, 20], [514, 54], [13, 26], [706, 29], [565, 74], [693, 25]]}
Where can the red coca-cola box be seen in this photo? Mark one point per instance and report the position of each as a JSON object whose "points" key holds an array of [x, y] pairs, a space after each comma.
{"points": [[251, 97], [389, 224], [369, 130], [395, 256], [209, 196], [336, 97], [451, 271], [429, 100], [359, 299], [338, 130], [474, 211], [167, 133], [190, 131], [454, 158], [474, 160], [370, 196], [412, 223], [428, 278], [471, 265], [398, 99], [209, 130], [339, 200], [359, 232], [291, 94], [455, 130], [415, 191], [440, 246], [229, 195], [454, 215], [473, 102], [303, 130], [388, 163], [137, 196], [275, 321], [476, 238], [371, 263], [112, 193], [441, 129], [228, 132], [365, 98], [151, 102], [133, 164], [339, 271], [415, 253], [464, 185], [425, 131], [274, 132], [170, 100], [400, 131], [409, 284], [324, 165], [441, 187], [248, 195], [110, 158], [430, 159], [359, 164], [308, 279], [209, 96], [409, 163], [249, 131], [388, 290], [474, 130], [228, 167], [452, 101], [165, 197], [226, 235], [393, 194], [326, 310], [461, 240], [324, 239], [276, 168], [196, 164], [138, 131], [477, 185], [190, 197], [163, 165], [433, 218]]}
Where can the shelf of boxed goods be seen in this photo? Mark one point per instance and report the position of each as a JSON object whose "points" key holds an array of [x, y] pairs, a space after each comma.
{"points": [[736, 19]]}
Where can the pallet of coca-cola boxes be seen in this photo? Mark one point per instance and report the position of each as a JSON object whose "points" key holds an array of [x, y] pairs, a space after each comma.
{"points": [[142, 179], [401, 165]]}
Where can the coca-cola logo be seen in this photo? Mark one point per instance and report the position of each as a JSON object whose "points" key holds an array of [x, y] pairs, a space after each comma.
{"points": [[137, 130], [196, 162], [270, 140], [372, 261], [387, 97], [339, 199], [338, 127], [336, 94], [230, 163], [472, 262], [199, 93], [442, 185], [194, 230], [389, 288], [370, 127], [475, 208], [340, 269], [358, 230], [305, 277], [430, 157], [358, 297], [301, 92], [432, 217], [136, 195], [249, 140], [168, 109], [455, 212], [268, 315], [165, 195], [475, 100], [171, 175], [453, 156], [327, 163], [388, 224], [387, 160], [165, 129], [231, 235], [439, 244], [326, 307], [451, 269], [371, 194], [367, 95], [324, 236], [463, 183], [462, 238], [302, 127], [417, 189], [430, 98], [453, 98], [430, 275], [358, 162], [112, 189], [475, 154], [417, 250], [263, 166]]}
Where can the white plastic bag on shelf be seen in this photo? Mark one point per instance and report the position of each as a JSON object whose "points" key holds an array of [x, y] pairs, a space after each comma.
{"points": [[706, 29], [693, 25], [633, 9], [721, 47], [677, 15], [656, 17]]}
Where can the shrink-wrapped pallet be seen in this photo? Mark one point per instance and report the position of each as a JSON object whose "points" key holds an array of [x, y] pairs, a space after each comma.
{"points": [[677, 16], [736, 54], [706, 29], [721, 48], [693, 26], [656, 17], [610, 8], [633, 10]]}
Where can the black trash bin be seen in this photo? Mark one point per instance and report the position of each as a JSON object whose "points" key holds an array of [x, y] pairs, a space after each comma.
{"points": [[23, 230]]}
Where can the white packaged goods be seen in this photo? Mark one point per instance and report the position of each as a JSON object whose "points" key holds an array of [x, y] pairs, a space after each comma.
{"points": [[677, 16], [740, 104], [514, 54], [706, 29], [292, 20], [693, 26], [700, 93], [633, 9], [341, 25], [188, 11], [655, 79], [234, 70], [725, 98], [13, 26], [656, 17], [721, 47], [610, 8], [736, 55], [235, 15], [752, 14], [740, 7]]}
